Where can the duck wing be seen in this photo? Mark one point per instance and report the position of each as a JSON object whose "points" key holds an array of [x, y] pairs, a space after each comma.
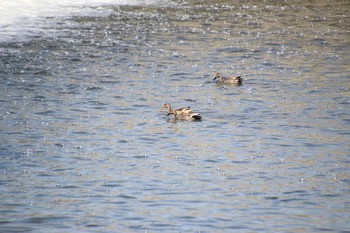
{"points": [[184, 111]]}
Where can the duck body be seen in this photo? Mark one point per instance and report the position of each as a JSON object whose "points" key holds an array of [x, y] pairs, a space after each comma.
{"points": [[179, 111], [182, 113], [219, 79]]}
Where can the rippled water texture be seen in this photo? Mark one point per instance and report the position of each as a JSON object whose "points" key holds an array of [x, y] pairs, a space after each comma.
{"points": [[84, 145]]}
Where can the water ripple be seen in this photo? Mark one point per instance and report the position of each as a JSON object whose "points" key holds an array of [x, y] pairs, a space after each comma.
{"points": [[84, 145]]}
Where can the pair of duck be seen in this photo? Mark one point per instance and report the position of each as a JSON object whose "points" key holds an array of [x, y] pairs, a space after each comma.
{"points": [[187, 113]]}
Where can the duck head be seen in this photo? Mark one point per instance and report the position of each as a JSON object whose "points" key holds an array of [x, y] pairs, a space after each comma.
{"points": [[218, 76], [167, 106]]}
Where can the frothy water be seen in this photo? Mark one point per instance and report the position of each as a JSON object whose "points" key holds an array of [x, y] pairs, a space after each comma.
{"points": [[85, 147]]}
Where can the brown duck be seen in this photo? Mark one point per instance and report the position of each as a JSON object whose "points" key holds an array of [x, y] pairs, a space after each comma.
{"points": [[182, 113], [219, 79]]}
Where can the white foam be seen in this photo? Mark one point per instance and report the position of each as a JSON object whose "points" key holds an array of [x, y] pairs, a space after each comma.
{"points": [[22, 17]]}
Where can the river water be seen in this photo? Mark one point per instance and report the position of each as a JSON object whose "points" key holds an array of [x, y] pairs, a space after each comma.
{"points": [[84, 145]]}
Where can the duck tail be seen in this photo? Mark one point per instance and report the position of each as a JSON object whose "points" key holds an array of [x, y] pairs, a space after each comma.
{"points": [[196, 116]]}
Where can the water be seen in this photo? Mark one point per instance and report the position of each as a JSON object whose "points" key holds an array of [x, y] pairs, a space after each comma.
{"points": [[84, 145]]}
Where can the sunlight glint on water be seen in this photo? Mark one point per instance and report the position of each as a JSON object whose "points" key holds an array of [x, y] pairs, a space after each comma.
{"points": [[21, 18]]}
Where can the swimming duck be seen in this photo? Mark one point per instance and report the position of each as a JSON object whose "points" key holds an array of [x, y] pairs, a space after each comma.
{"points": [[182, 113], [219, 79]]}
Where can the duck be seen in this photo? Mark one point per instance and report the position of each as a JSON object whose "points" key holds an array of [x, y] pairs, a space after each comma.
{"points": [[219, 79], [182, 113]]}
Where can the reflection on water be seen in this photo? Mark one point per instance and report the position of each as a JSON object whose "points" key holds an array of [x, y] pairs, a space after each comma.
{"points": [[84, 145]]}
